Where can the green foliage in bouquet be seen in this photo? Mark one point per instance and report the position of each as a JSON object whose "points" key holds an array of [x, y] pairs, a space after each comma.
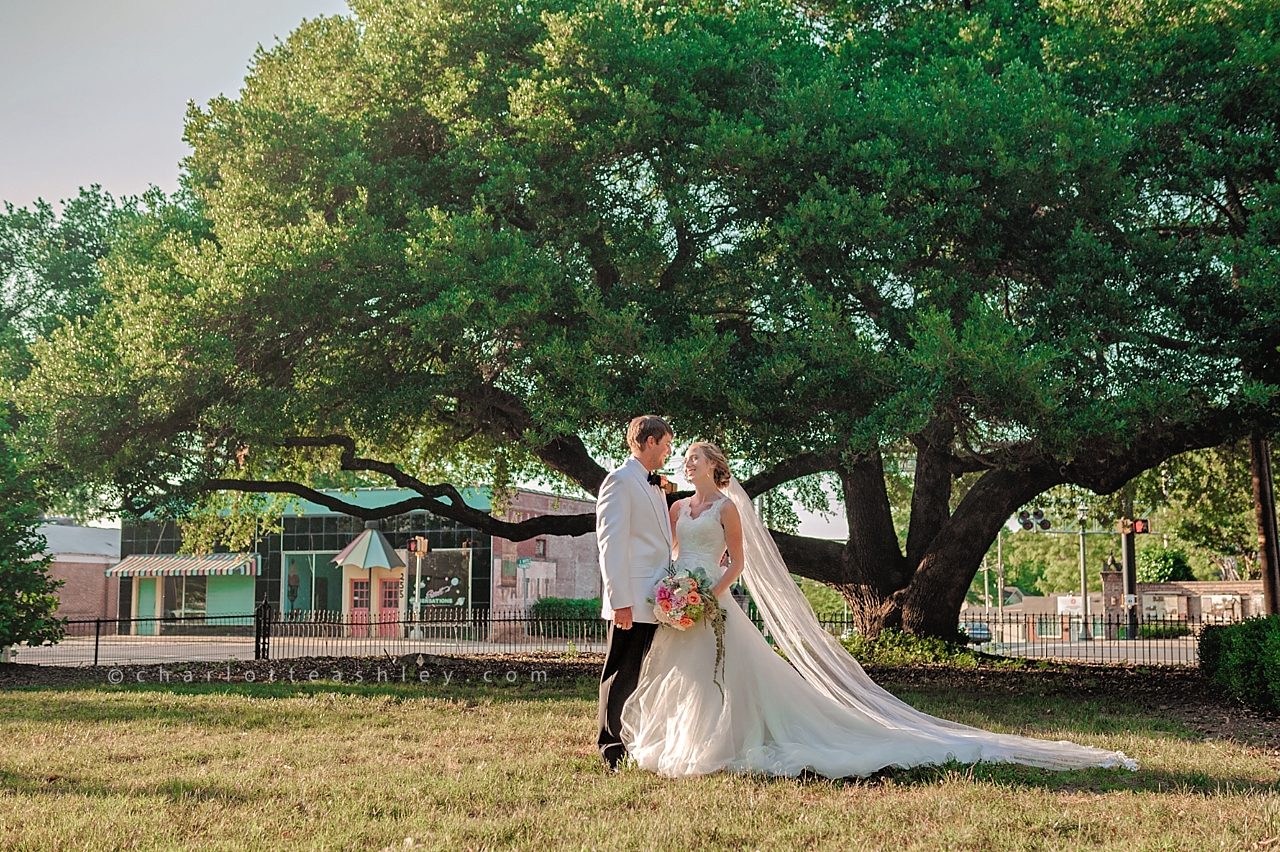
{"points": [[672, 606]]}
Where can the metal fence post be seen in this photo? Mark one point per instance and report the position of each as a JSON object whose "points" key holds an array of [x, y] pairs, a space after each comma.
{"points": [[97, 636], [262, 632]]}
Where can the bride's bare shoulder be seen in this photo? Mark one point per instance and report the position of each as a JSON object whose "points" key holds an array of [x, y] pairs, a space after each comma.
{"points": [[729, 511]]}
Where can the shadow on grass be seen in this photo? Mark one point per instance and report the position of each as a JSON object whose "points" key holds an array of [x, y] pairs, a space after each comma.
{"points": [[85, 703], [1010, 775], [174, 790], [1049, 717]]}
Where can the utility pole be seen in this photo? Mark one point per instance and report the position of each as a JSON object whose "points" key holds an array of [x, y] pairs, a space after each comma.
{"points": [[1082, 515], [1264, 504], [1000, 572], [986, 587], [1128, 575]]}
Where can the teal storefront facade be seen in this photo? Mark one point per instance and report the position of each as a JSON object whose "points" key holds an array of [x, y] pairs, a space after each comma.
{"points": [[292, 569], [186, 587]]}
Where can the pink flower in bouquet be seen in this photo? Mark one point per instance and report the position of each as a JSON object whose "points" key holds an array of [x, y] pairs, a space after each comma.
{"points": [[666, 605], [664, 594], [686, 621], [693, 599]]}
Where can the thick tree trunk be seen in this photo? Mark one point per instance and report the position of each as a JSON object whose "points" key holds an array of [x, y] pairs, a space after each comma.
{"points": [[1264, 506], [872, 567], [931, 494], [931, 602]]}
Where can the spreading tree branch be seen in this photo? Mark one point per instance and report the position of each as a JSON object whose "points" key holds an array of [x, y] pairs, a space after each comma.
{"points": [[432, 499], [804, 464]]}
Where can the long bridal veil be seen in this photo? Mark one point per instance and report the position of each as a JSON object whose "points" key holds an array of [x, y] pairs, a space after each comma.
{"points": [[832, 670]]}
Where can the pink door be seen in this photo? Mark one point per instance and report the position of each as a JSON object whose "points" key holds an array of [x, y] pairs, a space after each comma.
{"points": [[389, 609], [359, 607]]}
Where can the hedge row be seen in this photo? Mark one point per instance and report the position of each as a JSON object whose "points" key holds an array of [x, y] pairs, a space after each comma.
{"points": [[568, 618], [1244, 659], [565, 608]]}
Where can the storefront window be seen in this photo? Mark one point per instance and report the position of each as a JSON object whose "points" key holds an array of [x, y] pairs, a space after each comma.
{"points": [[1048, 627], [185, 596], [390, 595], [360, 594]]}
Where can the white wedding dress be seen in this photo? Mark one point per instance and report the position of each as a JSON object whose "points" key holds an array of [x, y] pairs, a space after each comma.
{"points": [[816, 710]]}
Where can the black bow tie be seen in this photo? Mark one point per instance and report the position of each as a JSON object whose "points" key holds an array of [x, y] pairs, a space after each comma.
{"points": [[654, 479]]}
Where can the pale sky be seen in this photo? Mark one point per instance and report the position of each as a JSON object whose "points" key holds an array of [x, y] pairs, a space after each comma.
{"points": [[94, 91]]}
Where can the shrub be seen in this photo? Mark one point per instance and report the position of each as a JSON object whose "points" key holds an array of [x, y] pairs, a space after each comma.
{"points": [[1163, 565], [1211, 648], [571, 617], [565, 608], [1163, 631], [895, 648], [1271, 665], [1244, 659]]}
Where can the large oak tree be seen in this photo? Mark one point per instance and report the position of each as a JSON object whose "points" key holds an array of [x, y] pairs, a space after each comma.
{"points": [[997, 247]]}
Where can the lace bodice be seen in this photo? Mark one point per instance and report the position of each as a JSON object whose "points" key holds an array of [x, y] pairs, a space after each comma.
{"points": [[701, 538]]}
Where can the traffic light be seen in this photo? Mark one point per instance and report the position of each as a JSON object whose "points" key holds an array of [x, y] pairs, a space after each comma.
{"points": [[1031, 520], [1137, 525], [418, 544]]}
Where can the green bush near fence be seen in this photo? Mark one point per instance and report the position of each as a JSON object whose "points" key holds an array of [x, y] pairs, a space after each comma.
{"points": [[1163, 631], [567, 617], [1244, 659], [895, 648]]}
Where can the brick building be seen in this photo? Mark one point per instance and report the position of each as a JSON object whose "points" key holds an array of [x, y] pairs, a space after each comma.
{"points": [[1194, 600], [546, 566], [81, 556]]}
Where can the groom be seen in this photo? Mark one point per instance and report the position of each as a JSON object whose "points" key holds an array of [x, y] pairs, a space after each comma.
{"points": [[633, 530]]}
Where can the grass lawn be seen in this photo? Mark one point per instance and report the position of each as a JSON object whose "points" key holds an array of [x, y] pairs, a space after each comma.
{"points": [[471, 765]]}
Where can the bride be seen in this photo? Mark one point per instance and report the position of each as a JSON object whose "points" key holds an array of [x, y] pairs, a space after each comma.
{"points": [[814, 711]]}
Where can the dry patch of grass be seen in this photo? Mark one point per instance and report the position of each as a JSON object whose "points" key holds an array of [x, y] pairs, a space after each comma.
{"points": [[480, 766]]}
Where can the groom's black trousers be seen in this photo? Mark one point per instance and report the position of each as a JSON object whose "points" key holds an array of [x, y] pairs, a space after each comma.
{"points": [[623, 657]]}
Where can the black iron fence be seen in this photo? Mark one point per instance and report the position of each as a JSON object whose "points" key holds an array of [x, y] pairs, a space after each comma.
{"points": [[1139, 640], [267, 635]]}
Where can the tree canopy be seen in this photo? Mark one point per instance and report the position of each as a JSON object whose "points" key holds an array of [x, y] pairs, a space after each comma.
{"points": [[49, 268], [976, 250]]}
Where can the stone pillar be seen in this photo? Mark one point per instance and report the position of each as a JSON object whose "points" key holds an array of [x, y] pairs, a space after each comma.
{"points": [[1112, 602]]}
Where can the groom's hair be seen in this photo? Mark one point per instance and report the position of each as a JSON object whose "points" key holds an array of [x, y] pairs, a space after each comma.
{"points": [[644, 427]]}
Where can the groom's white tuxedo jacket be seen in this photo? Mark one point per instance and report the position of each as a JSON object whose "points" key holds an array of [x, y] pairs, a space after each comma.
{"points": [[633, 530]]}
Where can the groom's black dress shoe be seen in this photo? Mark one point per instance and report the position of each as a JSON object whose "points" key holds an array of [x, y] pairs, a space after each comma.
{"points": [[613, 758]]}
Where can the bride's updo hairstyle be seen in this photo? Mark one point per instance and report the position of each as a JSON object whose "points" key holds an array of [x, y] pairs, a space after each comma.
{"points": [[712, 453]]}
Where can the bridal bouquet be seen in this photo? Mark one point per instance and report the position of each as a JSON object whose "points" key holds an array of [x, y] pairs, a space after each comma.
{"points": [[682, 599]]}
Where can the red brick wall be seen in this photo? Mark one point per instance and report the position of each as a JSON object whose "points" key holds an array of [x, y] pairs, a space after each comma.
{"points": [[87, 593], [575, 558]]}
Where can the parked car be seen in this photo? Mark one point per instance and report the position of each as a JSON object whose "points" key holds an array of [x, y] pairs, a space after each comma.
{"points": [[977, 632]]}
